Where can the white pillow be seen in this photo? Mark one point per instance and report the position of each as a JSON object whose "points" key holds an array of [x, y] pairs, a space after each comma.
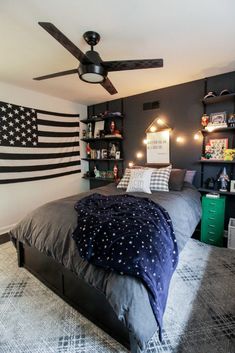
{"points": [[140, 181]]}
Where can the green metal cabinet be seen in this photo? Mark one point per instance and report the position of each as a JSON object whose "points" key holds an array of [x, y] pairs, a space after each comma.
{"points": [[212, 224]]}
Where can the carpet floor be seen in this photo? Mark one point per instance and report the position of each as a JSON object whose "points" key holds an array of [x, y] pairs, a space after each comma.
{"points": [[200, 315]]}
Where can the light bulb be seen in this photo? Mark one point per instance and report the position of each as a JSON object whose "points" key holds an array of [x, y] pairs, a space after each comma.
{"points": [[139, 155], [145, 141], [180, 139], [160, 122], [196, 136], [153, 128], [131, 164]]}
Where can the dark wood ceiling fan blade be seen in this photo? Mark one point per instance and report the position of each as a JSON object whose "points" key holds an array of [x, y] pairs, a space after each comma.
{"points": [[107, 84], [132, 64], [56, 74], [63, 40]]}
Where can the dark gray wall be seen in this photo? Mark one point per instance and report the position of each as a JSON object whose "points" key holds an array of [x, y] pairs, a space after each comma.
{"points": [[182, 107]]}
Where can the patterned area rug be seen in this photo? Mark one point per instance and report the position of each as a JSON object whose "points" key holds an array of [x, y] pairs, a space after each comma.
{"points": [[200, 315]]}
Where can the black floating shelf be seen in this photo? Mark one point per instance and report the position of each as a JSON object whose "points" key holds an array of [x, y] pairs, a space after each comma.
{"points": [[102, 160], [99, 179], [93, 139], [219, 99], [215, 161], [217, 191], [90, 120], [221, 129]]}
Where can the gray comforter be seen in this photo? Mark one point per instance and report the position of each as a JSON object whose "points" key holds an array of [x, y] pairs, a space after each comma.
{"points": [[49, 229]]}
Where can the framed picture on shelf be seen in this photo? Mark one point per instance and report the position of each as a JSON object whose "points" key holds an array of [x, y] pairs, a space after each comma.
{"points": [[218, 118], [232, 186], [218, 146]]}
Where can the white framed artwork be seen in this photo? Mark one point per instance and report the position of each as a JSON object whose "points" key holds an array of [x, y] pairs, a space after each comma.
{"points": [[158, 147]]}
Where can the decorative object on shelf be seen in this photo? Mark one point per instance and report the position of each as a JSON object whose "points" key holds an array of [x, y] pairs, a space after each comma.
{"points": [[112, 127], [84, 133], [104, 153], [89, 130], [88, 150], [98, 154], [224, 180], [158, 147], [93, 154], [99, 126], [224, 92], [218, 118], [208, 152], [115, 171], [217, 147], [231, 120], [232, 186], [210, 94], [112, 150], [205, 120], [118, 155], [229, 154], [97, 172], [210, 183]]}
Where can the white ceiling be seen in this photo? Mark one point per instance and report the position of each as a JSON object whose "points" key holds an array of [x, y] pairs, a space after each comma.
{"points": [[194, 37]]}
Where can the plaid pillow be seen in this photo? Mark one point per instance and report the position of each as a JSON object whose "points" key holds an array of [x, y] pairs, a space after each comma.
{"points": [[159, 179]]}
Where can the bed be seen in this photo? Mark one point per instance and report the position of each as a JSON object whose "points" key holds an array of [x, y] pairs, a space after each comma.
{"points": [[118, 304]]}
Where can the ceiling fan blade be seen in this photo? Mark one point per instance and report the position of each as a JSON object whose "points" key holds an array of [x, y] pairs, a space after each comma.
{"points": [[132, 64], [107, 84], [63, 40], [57, 74]]}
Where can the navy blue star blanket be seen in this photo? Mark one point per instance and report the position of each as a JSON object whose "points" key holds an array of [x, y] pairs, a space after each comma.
{"points": [[130, 235]]}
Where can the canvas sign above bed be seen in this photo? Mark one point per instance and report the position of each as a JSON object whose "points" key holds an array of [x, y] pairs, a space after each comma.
{"points": [[36, 144]]}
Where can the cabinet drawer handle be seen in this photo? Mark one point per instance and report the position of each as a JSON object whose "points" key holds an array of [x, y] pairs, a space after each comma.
{"points": [[211, 232], [211, 225], [212, 240], [212, 204], [212, 211], [211, 218]]}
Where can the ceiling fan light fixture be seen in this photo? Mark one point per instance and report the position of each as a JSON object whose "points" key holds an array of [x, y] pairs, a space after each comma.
{"points": [[92, 73]]}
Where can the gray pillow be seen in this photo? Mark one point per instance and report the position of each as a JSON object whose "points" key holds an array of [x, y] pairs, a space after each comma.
{"points": [[176, 180], [189, 176]]}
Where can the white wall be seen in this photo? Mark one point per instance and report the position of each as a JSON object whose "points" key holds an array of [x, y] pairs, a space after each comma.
{"points": [[16, 200]]}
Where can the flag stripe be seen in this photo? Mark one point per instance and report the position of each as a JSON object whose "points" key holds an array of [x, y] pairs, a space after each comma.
{"points": [[28, 156], [58, 134], [57, 116], [64, 144], [32, 162], [31, 168], [21, 180], [57, 128], [55, 139], [57, 123], [25, 150]]}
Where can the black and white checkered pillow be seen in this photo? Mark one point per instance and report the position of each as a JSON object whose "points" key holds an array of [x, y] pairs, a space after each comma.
{"points": [[159, 179]]}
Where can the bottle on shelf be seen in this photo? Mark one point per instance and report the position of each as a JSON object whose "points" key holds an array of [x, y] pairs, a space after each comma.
{"points": [[88, 150], [115, 171]]}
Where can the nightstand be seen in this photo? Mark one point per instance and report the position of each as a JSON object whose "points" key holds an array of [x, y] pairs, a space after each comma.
{"points": [[212, 224]]}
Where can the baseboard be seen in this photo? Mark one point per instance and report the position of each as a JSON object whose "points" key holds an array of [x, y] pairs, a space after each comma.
{"points": [[4, 238], [6, 229]]}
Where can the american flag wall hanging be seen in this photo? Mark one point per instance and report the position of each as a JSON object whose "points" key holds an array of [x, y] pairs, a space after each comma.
{"points": [[36, 144]]}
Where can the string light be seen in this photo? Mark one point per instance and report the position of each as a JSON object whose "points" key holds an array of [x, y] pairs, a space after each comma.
{"points": [[161, 122], [145, 141], [180, 139], [153, 128], [131, 164], [139, 155]]}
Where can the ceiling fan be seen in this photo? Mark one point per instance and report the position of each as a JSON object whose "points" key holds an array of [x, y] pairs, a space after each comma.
{"points": [[92, 68]]}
